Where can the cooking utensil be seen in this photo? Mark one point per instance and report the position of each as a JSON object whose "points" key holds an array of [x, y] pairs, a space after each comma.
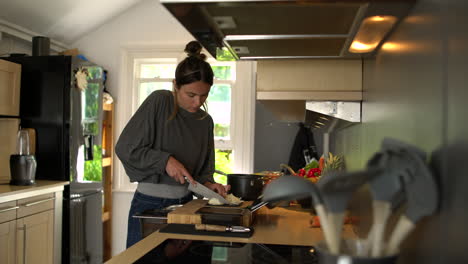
{"points": [[336, 189], [288, 188], [154, 219], [204, 191], [220, 228], [245, 186], [224, 216], [384, 188], [367, 242], [257, 204], [422, 200]]}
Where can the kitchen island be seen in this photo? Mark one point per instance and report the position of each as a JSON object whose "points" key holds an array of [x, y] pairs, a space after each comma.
{"points": [[280, 226]]}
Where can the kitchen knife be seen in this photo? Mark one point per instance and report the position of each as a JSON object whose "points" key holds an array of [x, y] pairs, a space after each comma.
{"points": [[204, 191], [220, 228]]}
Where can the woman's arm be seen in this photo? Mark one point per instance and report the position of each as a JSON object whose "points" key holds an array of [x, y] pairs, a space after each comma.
{"points": [[134, 146]]}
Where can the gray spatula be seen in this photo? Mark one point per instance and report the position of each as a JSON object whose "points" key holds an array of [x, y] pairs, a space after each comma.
{"points": [[422, 200], [384, 188], [336, 189]]}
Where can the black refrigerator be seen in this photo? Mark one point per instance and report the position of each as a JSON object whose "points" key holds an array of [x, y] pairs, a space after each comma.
{"points": [[61, 98]]}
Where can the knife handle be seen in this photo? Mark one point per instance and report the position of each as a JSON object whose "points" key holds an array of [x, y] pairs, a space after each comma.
{"points": [[210, 227]]}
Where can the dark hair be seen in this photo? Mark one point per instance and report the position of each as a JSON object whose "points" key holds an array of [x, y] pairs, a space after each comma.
{"points": [[194, 68]]}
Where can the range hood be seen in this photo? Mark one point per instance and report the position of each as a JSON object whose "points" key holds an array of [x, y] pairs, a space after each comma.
{"points": [[329, 116], [274, 29]]}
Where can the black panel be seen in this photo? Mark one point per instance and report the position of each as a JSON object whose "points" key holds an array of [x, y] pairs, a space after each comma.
{"points": [[291, 47], [282, 18], [45, 93]]}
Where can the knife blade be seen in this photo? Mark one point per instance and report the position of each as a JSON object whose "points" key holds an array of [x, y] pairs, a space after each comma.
{"points": [[204, 191], [220, 228]]}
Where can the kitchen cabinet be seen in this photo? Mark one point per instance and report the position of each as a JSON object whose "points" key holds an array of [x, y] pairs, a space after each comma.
{"points": [[284, 86], [7, 233], [8, 133], [35, 238], [29, 235], [30, 223], [107, 163], [310, 80], [28, 239], [10, 79]]}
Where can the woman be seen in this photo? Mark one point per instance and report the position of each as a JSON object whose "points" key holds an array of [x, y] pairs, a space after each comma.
{"points": [[169, 138]]}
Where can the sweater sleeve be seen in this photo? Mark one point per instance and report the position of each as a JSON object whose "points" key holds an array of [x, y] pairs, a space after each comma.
{"points": [[134, 146], [206, 174]]}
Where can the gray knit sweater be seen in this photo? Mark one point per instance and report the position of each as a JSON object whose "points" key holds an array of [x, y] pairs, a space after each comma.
{"points": [[149, 138]]}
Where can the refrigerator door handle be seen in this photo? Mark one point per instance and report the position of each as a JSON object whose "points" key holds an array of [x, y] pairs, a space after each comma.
{"points": [[89, 143]]}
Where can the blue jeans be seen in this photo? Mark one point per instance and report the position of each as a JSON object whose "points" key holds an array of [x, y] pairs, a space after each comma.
{"points": [[142, 203]]}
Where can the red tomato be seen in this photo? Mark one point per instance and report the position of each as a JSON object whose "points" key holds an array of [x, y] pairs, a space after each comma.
{"points": [[301, 173], [314, 172]]}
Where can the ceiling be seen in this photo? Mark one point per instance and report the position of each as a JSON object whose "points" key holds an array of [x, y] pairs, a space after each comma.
{"points": [[64, 21]]}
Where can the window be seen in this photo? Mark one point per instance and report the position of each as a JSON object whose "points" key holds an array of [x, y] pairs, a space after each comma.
{"points": [[158, 73], [153, 70]]}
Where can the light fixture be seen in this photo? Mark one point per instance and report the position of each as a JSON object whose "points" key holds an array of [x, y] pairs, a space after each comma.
{"points": [[371, 32]]}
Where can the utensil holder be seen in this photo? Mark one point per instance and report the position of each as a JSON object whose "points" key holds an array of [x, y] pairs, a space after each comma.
{"points": [[350, 250]]}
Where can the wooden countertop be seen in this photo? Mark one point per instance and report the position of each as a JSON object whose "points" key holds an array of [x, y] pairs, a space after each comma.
{"points": [[281, 226], [14, 192]]}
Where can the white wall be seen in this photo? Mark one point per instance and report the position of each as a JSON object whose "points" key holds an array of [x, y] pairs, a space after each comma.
{"points": [[143, 26]]}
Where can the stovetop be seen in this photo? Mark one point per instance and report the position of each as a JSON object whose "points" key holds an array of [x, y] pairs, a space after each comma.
{"points": [[243, 253]]}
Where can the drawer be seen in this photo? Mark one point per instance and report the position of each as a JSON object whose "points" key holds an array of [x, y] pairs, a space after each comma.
{"points": [[8, 211], [36, 204]]}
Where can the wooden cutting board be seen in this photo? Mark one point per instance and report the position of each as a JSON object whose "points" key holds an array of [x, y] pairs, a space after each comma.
{"points": [[197, 212]]}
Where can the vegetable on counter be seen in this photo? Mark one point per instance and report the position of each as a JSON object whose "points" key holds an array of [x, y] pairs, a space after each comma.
{"points": [[321, 163], [333, 162], [315, 169], [301, 173], [352, 220]]}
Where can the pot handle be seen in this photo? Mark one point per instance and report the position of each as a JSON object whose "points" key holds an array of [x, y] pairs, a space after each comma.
{"points": [[220, 172]]}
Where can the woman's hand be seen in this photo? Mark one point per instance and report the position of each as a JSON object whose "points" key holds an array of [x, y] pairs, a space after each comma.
{"points": [[177, 171], [219, 188]]}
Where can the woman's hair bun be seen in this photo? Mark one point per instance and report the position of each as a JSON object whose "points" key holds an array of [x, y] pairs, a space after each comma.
{"points": [[193, 48]]}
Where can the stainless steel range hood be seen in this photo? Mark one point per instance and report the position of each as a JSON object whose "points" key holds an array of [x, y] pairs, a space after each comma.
{"points": [[276, 29], [329, 116]]}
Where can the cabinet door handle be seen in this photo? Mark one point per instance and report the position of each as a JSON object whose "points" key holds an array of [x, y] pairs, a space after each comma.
{"points": [[24, 229], [9, 209], [38, 202]]}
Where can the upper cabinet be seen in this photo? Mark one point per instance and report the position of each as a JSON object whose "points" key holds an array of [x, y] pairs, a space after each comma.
{"points": [[310, 80], [10, 78]]}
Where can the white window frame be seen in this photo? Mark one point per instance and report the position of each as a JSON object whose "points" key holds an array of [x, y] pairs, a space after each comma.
{"points": [[223, 143], [242, 107]]}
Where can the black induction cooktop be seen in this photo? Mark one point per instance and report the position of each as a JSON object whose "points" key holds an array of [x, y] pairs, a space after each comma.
{"points": [[232, 253]]}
